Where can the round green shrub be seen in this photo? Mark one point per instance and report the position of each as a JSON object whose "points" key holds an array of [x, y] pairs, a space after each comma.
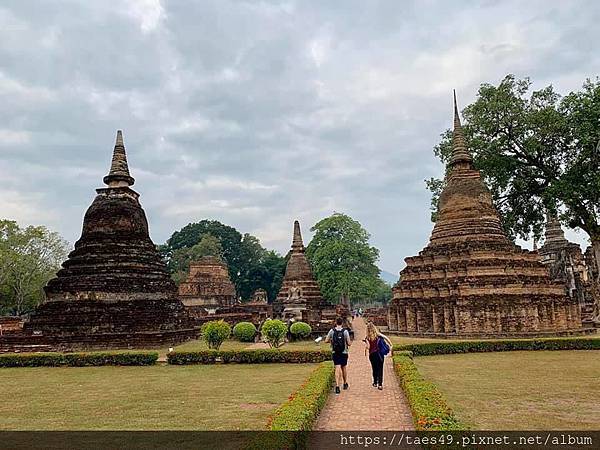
{"points": [[215, 332], [244, 331], [273, 332], [300, 330]]}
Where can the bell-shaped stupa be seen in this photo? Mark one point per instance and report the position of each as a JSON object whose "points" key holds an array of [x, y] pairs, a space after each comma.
{"points": [[114, 289], [471, 280], [299, 290]]}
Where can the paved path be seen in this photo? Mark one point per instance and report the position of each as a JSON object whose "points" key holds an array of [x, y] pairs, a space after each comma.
{"points": [[363, 407]]}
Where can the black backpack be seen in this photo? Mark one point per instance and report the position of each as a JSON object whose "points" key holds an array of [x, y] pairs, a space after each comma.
{"points": [[338, 341]]}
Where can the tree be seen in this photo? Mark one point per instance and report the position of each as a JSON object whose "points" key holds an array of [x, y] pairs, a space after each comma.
{"points": [[182, 257], [538, 153], [342, 260], [383, 294], [250, 265], [29, 258]]}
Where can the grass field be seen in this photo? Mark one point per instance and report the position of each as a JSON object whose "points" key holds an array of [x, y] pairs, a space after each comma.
{"points": [[202, 397], [551, 390]]}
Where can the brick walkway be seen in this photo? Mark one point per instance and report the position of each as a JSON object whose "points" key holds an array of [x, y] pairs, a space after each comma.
{"points": [[363, 407]]}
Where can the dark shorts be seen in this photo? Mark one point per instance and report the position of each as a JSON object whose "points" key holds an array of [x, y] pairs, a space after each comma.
{"points": [[340, 359]]}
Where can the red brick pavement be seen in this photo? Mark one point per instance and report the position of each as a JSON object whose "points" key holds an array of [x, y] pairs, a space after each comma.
{"points": [[364, 407]]}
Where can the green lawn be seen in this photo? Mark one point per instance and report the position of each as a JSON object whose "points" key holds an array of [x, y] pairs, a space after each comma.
{"points": [[556, 390], [202, 397]]}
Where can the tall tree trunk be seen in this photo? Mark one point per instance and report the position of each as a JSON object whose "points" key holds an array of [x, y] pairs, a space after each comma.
{"points": [[596, 289]]}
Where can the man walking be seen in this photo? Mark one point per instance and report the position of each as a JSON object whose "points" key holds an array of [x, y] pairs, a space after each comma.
{"points": [[340, 343]]}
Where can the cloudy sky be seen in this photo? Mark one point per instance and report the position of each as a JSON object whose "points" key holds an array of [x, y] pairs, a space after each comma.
{"points": [[257, 113]]}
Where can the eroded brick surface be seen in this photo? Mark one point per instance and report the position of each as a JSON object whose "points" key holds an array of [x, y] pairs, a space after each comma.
{"points": [[471, 280]]}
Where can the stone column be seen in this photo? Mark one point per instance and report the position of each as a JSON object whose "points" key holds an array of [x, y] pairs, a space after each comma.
{"points": [[411, 319], [401, 319]]}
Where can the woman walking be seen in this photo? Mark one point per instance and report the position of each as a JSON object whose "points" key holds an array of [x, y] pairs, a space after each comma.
{"points": [[374, 342]]}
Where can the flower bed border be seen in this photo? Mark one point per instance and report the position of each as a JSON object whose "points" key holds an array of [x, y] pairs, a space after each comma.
{"points": [[290, 423], [259, 356], [80, 359], [429, 408]]}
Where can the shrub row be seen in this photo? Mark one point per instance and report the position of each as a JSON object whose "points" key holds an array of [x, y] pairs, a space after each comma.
{"points": [[429, 408], [78, 359], [290, 423], [443, 348], [300, 412], [248, 356]]}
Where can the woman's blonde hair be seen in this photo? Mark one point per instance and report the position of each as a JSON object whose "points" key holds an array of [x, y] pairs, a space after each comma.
{"points": [[372, 331]]}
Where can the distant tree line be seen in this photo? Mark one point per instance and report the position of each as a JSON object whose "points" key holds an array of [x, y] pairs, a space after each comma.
{"points": [[343, 262], [251, 266]]}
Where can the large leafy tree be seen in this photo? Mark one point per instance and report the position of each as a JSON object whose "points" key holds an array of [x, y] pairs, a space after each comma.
{"points": [[538, 153], [251, 266], [29, 258], [182, 257], [342, 260]]}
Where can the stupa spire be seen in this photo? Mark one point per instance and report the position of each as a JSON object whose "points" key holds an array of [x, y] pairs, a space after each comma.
{"points": [[297, 239], [460, 153], [118, 175], [554, 232]]}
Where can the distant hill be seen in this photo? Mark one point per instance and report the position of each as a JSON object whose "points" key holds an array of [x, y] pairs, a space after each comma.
{"points": [[389, 278]]}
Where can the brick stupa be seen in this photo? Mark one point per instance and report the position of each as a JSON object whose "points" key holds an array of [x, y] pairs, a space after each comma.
{"points": [[114, 290], [567, 265], [299, 291], [471, 280], [207, 286]]}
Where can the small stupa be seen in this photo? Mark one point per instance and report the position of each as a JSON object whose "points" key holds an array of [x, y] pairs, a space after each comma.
{"points": [[299, 291], [114, 290], [567, 265], [471, 280]]}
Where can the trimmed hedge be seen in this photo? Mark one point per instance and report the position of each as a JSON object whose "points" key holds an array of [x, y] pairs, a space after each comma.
{"points": [[290, 423], [503, 345], [273, 332], [244, 331], [427, 404], [300, 330], [248, 356], [79, 359], [300, 412], [215, 332]]}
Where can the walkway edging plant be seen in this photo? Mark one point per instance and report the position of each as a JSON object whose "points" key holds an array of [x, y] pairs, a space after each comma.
{"points": [[427, 404], [289, 424]]}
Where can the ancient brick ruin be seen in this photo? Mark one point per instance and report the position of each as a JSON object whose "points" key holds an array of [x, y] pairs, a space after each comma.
{"points": [[10, 325], [259, 297], [208, 294], [471, 280], [114, 290], [299, 295], [259, 307], [566, 264], [207, 287]]}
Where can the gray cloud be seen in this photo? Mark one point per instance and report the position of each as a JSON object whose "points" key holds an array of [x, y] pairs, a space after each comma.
{"points": [[258, 113]]}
